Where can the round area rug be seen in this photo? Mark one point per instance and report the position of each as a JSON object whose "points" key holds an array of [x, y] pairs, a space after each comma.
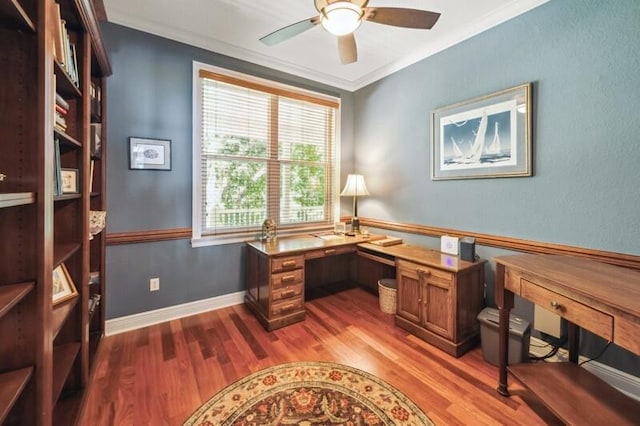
{"points": [[309, 393]]}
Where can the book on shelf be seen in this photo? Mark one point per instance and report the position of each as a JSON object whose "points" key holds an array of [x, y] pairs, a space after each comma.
{"points": [[62, 102], [91, 167], [388, 241], [58, 39], [57, 169], [96, 97]]}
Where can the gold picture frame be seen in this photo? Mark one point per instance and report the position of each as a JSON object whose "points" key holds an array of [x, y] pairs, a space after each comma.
{"points": [[485, 137], [62, 285]]}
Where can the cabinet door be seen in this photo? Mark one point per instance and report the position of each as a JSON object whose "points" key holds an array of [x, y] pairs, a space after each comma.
{"points": [[409, 295], [439, 310]]}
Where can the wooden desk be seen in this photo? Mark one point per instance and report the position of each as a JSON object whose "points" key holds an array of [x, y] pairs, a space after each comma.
{"points": [[601, 298], [439, 296], [276, 272]]}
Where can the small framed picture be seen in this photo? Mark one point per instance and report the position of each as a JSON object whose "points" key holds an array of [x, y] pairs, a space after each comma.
{"points": [[63, 288], [149, 154], [70, 181]]}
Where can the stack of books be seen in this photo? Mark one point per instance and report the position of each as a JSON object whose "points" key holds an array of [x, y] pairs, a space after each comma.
{"points": [[62, 108]]}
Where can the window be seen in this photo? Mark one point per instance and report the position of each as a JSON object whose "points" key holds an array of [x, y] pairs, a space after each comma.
{"points": [[261, 150]]}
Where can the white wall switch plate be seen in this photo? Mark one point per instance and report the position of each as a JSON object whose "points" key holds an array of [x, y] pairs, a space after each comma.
{"points": [[449, 244]]}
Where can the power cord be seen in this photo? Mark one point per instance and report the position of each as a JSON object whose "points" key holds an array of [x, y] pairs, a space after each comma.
{"points": [[599, 355]]}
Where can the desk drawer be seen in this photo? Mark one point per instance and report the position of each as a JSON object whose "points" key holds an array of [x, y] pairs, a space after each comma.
{"points": [[330, 251], [287, 263], [430, 274], [287, 306], [284, 279], [287, 292], [579, 314]]}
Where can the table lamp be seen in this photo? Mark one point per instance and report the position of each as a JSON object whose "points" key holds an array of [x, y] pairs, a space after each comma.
{"points": [[355, 187]]}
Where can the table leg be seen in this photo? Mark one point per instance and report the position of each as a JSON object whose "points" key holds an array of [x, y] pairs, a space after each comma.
{"points": [[504, 300], [574, 342]]}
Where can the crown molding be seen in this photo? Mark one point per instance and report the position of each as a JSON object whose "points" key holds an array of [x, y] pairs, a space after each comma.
{"points": [[497, 17]]}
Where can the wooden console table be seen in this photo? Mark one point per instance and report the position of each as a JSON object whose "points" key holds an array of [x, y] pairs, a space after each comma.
{"points": [[601, 298]]}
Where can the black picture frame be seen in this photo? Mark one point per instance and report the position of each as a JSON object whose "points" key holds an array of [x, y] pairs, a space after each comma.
{"points": [[149, 154]]}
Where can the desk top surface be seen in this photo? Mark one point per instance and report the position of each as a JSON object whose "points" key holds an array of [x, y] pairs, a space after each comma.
{"points": [[302, 243]]}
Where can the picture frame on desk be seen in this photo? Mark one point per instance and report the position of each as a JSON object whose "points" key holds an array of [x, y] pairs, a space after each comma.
{"points": [[149, 154], [70, 181], [63, 287], [484, 137]]}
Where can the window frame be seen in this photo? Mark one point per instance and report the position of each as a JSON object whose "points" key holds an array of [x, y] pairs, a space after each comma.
{"points": [[198, 239]]}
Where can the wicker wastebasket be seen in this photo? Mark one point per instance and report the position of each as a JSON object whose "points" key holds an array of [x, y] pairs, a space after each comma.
{"points": [[387, 288]]}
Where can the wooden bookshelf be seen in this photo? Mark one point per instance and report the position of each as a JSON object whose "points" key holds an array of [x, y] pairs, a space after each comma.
{"points": [[45, 348]]}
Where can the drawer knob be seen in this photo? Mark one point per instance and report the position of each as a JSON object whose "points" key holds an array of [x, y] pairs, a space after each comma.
{"points": [[329, 251], [288, 307], [289, 264], [288, 278], [555, 305], [288, 293], [423, 271]]}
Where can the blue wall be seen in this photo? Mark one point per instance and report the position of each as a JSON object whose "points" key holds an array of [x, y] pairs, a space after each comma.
{"points": [[582, 57], [150, 95]]}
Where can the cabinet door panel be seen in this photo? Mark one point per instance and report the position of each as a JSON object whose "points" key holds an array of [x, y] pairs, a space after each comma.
{"points": [[409, 295], [439, 315]]}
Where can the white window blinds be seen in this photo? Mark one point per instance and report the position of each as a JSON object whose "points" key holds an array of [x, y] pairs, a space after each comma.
{"points": [[264, 152]]}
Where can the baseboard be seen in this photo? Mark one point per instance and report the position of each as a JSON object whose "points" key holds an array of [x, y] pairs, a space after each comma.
{"points": [[624, 382], [144, 319]]}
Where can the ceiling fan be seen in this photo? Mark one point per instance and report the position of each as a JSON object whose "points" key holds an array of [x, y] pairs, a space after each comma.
{"points": [[342, 17]]}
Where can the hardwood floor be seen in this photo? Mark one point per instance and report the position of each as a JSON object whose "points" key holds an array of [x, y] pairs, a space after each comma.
{"points": [[160, 374]]}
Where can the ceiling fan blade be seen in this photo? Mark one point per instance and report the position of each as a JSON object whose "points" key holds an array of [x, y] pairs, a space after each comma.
{"points": [[401, 17], [289, 31], [347, 49]]}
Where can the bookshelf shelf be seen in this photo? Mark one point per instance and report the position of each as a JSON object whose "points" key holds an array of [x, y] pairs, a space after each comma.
{"points": [[60, 314], [12, 14], [63, 358], [67, 140], [64, 85], [11, 386], [64, 251], [11, 294], [17, 199], [67, 197]]}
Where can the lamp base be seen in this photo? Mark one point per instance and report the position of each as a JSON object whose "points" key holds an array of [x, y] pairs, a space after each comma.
{"points": [[355, 225]]}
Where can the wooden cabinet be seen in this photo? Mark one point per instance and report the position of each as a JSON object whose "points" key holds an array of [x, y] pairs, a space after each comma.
{"points": [[440, 305], [44, 348]]}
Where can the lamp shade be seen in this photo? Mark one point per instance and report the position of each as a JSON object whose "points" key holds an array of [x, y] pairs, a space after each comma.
{"points": [[341, 18], [355, 186]]}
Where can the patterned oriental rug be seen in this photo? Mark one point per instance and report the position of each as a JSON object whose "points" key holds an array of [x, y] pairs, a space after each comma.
{"points": [[309, 393]]}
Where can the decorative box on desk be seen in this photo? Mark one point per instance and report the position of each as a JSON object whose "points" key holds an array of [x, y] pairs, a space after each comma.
{"points": [[439, 295]]}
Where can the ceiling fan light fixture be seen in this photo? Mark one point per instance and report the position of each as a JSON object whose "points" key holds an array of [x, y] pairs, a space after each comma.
{"points": [[341, 18]]}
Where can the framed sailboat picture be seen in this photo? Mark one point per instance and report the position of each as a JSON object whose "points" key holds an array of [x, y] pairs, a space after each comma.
{"points": [[484, 137]]}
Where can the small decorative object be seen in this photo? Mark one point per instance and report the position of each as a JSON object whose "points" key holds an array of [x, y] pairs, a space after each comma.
{"points": [[149, 154], [339, 228], [2, 177], [96, 140], [63, 288], [268, 230], [97, 220], [70, 181], [485, 137]]}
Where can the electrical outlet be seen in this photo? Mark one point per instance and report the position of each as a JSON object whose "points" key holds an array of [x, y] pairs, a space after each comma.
{"points": [[154, 284]]}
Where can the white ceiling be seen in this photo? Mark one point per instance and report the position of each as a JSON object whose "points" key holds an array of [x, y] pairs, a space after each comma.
{"points": [[234, 27]]}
